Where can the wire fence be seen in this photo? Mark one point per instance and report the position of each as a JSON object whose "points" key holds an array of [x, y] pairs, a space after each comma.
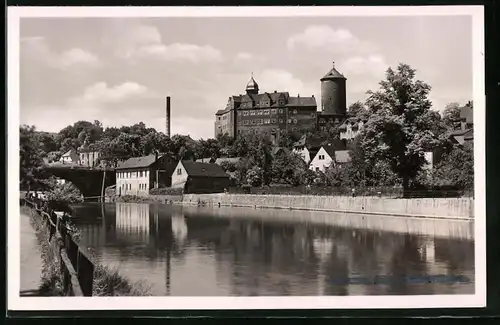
{"points": [[387, 192]]}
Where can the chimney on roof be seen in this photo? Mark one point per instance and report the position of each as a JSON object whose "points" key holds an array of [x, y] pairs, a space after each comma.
{"points": [[298, 95], [312, 96], [167, 125], [156, 155], [275, 91]]}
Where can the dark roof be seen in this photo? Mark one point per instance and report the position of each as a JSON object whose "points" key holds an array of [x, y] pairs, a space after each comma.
{"points": [[233, 160], [205, 160], [309, 142], [275, 150], [138, 162], [342, 156], [203, 169], [460, 132], [333, 74], [301, 101], [220, 112]]}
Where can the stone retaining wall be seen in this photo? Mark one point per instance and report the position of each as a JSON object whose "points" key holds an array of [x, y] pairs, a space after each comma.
{"points": [[456, 208]]}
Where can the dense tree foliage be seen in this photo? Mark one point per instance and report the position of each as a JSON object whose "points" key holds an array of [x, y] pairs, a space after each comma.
{"points": [[400, 127]]}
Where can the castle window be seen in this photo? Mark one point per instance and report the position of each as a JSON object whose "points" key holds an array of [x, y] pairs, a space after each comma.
{"points": [[294, 121], [282, 102], [273, 111], [281, 120], [253, 121], [294, 111], [273, 121], [252, 113], [219, 118], [259, 112], [245, 113], [289, 120], [266, 112], [313, 115], [245, 122], [281, 110]]}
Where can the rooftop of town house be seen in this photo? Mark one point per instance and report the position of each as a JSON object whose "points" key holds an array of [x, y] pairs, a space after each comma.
{"points": [[138, 162], [461, 132], [221, 111], [68, 153], [276, 150], [309, 142], [198, 169], [205, 160], [334, 145], [233, 160]]}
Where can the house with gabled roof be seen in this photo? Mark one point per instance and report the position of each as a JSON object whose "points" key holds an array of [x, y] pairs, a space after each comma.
{"points": [[137, 175], [196, 177], [332, 152]]}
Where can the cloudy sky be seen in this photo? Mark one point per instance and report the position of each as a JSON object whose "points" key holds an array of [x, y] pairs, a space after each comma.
{"points": [[119, 70]]}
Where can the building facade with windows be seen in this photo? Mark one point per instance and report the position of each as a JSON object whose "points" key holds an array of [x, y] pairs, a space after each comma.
{"points": [[137, 175], [197, 177]]}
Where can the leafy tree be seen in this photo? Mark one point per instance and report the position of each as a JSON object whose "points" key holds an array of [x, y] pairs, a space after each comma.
{"points": [[456, 168], [254, 176], [156, 141], [399, 128], [30, 157], [356, 109], [287, 168], [451, 116]]}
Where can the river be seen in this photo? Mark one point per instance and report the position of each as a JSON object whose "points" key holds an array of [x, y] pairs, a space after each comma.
{"points": [[206, 251]]}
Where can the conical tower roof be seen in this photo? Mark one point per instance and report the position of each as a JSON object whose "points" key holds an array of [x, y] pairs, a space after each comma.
{"points": [[252, 85], [333, 74]]}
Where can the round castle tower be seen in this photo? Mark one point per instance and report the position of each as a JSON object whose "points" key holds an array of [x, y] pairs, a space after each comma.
{"points": [[333, 93]]}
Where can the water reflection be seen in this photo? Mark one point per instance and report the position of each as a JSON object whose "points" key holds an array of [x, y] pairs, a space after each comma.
{"points": [[186, 251]]}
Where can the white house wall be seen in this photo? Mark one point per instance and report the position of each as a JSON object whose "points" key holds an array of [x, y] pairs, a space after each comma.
{"points": [[321, 164], [179, 176], [130, 182]]}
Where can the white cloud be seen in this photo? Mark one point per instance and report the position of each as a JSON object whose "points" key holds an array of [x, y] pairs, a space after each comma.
{"points": [[323, 37], [36, 49], [101, 93], [282, 80], [373, 65], [76, 56], [244, 56], [143, 42]]}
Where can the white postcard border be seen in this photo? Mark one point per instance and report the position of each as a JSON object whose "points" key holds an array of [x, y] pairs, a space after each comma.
{"points": [[15, 302]]}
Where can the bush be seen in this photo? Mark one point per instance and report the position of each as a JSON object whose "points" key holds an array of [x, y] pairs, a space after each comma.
{"points": [[166, 191]]}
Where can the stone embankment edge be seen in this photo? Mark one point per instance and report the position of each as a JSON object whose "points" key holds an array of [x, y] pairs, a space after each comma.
{"points": [[389, 214]]}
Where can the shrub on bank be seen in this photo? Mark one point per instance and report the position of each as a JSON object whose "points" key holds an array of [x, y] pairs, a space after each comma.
{"points": [[166, 191]]}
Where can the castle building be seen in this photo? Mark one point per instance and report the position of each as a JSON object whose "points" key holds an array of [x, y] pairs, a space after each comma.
{"points": [[278, 112]]}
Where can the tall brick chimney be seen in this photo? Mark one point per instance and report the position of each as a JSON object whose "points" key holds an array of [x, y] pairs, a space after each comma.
{"points": [[167, 125]]}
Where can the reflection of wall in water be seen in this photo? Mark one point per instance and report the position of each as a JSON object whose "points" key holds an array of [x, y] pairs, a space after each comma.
{"points": [[179, 228], [132, 222]]}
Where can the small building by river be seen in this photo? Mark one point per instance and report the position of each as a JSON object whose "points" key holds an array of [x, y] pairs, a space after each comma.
{"points": [[196, 177], [137, 175]]}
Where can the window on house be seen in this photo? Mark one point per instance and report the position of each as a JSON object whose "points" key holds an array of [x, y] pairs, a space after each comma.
{"points": [[321, 157], [179, 171], [317, 169]]}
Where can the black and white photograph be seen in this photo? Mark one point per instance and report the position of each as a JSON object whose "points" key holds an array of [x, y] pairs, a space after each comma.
{"points": [[246, 158]]}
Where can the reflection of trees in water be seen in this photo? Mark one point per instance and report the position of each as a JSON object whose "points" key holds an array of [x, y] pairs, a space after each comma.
{"points": [[456, 254]]}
